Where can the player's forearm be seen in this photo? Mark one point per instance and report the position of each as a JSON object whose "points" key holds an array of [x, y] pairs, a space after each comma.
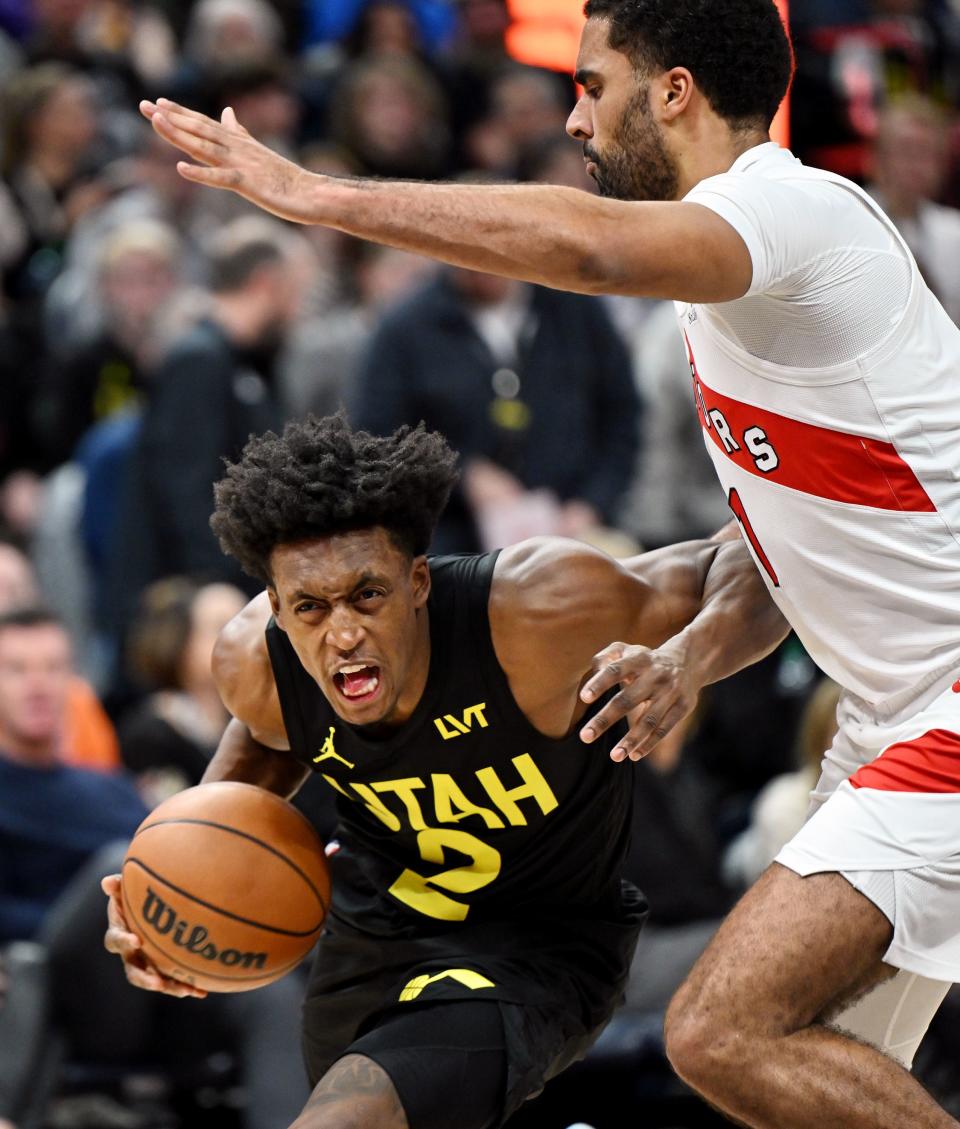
{"points": [[555, 236], [241, 758], [738, 623]]}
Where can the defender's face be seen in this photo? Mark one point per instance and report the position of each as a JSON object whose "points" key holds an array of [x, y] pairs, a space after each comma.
{"points": [[623, 144], [349, 604]]}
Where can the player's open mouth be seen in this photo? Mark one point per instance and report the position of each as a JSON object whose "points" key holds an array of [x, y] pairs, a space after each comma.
{"points": [[357, 682]]}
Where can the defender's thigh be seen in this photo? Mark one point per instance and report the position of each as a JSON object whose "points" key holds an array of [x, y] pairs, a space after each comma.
{"points": [[792, 950]]}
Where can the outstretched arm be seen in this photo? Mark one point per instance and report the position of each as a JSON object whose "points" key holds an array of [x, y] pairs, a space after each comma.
{"points": [[737, 624], [555, 236]]}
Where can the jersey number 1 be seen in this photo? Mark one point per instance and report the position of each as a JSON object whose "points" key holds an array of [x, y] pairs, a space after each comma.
{"points": [[733, 501]]}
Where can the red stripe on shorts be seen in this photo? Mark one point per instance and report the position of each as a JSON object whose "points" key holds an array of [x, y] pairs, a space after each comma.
{"points": [[931, 763]]}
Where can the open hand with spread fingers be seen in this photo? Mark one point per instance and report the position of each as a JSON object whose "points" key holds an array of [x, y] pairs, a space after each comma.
{"points": [[657, 690], [119, 939], [229, 157]]}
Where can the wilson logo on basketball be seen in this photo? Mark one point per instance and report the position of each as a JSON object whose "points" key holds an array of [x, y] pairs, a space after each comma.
{"points": [[194, 938]]}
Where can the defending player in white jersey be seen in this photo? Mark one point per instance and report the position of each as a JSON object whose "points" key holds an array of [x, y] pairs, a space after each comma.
{"points": [[827, 379]]}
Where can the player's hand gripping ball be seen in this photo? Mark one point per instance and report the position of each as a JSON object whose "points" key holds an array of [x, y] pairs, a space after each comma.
{"points": [[227, 886]]}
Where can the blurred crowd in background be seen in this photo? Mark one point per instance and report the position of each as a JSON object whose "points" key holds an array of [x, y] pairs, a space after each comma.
{"points": [[147, 327]]}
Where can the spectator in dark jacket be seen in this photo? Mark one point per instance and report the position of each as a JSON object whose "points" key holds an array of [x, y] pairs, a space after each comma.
{"points": [[207, 396], [532, 386]]}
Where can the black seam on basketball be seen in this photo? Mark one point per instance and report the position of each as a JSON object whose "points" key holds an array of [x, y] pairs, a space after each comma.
{"points": [[275, 973], [133, 860], [243, 835]]}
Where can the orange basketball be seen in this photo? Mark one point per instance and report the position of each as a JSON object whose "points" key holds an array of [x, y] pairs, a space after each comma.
{"points": [[226, 885]]}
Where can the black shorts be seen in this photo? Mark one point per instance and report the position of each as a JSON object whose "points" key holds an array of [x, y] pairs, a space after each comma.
{"points": [[468, 1024]]}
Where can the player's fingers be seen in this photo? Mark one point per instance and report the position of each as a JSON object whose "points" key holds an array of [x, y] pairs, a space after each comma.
{"points": [[629, 699], [229, 119], [142, 973], [207, 129], [120, 941], [147, 108], [648, 730], [199, 148], [118, 934], [212, 177], [151, 980], [611, 669]]}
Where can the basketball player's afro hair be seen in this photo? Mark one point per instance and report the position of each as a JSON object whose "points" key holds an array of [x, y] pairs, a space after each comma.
{"points": [[321, 477], [737, 50]]}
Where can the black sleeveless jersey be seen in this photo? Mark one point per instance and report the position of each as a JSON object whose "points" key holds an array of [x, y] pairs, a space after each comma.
{"points": [[465, 814]]}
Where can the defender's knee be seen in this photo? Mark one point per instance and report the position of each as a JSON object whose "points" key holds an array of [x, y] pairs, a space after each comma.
{"points": [[702, 1047]]}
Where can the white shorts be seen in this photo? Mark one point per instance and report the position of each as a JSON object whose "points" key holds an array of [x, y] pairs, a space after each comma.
{"points": [[886, 815]]}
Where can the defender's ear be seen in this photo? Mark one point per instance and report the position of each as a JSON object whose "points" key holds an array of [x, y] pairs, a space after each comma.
{"points": [[675, 91]]}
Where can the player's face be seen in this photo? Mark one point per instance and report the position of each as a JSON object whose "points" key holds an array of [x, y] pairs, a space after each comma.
{"points": [[351, 605], [35, 672], [623, 144]]}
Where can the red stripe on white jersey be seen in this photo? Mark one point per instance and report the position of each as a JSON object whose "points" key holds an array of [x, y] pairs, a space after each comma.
{"points": [[931, 763], [804, 456]]}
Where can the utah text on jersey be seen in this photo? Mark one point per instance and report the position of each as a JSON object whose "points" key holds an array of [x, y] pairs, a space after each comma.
{"points": [[432, 808]]}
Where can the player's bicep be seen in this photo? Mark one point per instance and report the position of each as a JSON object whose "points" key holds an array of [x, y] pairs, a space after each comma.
{"points": [[677, 251]]}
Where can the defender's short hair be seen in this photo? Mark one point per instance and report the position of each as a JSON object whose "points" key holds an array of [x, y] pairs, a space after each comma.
{"points": [[738, 51], [321, 477]]}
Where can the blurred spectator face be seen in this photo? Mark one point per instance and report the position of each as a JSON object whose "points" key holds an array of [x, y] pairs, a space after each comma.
{"points": [[389, 29], [269, 112], [484, 22], [231, 31], [138, 276], [911, 154], [35, 671], [212, 609], [135, 286], [392, 115], [528, 106], [18, 588], [387, 115], [63, 123], [51, 116]]}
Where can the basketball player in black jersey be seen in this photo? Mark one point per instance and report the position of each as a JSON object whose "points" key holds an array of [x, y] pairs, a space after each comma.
{"points": [[480, 933]]}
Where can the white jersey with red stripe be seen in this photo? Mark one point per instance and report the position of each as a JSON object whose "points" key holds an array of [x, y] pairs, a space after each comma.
{"points": [[830, 403]]}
